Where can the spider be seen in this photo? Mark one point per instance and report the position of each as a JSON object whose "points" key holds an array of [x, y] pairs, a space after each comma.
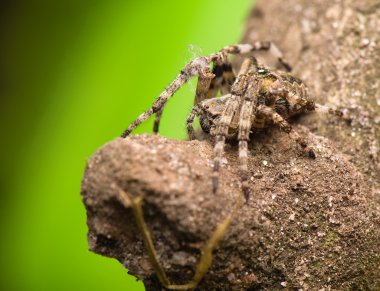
{"points": [[258, 97]]}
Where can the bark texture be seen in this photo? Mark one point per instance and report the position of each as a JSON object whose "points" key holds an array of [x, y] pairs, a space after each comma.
{"points": [[310, 224]]}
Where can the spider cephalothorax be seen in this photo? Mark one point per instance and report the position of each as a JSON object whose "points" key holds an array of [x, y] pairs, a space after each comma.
{"points": [[255, 98]]}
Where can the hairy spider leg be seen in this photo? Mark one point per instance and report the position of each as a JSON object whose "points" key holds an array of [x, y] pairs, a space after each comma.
{"points": [[237, 92], [190, 120], [216, 82], [199, 66], [245, 124], [203, 86], [328, 110], [258, 46], [277, 119], [157, 119], [205, 260]]}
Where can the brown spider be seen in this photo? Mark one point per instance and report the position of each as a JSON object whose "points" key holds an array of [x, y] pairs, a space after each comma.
{"points": [[256, 98]]}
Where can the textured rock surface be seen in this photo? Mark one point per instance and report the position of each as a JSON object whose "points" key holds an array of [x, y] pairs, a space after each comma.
{"points": [[309, 224]]}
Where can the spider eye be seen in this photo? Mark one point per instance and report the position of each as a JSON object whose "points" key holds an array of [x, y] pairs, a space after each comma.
{"points": [[262, 71]]}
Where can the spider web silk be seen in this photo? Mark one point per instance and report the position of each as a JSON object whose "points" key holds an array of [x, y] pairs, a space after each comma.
{"points": [[194, 51]]}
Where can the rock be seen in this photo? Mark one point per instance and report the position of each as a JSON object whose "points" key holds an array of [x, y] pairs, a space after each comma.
{"points": [[331, 241]]}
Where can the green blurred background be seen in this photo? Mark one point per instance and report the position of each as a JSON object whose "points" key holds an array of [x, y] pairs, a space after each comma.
{"points": [[74, 74]]}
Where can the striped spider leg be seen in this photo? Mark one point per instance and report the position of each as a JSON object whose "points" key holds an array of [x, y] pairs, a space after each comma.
{"points": [[323, 109], [205, 261]]}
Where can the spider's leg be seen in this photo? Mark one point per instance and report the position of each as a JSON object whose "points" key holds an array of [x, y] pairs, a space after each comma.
{"points": [[328, 110], [269, 113], [135, 202], [190, 120], [237, 91], [199, 66], [206, 257], [157, 119], [216, 83], [228, 78], [203, 86], [245, 124], [258, 46], [221, 133]]}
